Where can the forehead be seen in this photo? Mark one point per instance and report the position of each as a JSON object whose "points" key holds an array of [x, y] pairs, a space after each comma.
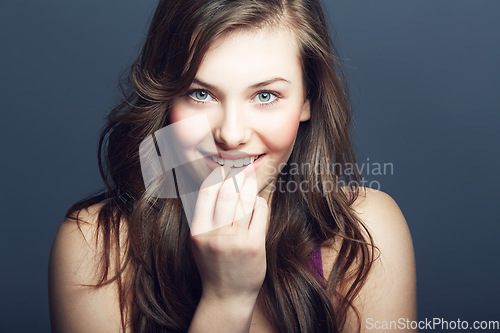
{"points": [[245, 57]]}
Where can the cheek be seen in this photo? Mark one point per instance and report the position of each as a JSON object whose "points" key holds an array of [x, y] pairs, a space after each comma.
{"points": [[178, 120], [188, 128], [280, 133], [189, 131], [174, 114]]}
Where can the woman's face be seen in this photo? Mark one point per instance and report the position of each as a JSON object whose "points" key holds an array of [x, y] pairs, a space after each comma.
{"points": [[245, 104]]}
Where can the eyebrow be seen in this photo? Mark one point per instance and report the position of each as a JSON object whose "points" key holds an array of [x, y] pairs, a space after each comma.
{"points": [[253, 86]]}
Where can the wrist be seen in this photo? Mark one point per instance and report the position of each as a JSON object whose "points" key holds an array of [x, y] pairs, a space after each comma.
{"points": [[242, 303], [217, 314]]}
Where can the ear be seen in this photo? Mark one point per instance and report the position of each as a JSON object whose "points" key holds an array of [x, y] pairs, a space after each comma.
{"points": [[305, 114]]}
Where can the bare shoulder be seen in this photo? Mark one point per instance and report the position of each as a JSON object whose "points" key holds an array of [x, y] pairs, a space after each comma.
{"points": [[383, 218], [75, 245], [372, 203], [389, 293], [76, 305]]}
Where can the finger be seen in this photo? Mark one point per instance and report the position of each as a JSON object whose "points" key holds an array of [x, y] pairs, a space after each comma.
{"points": [[227, 199], [259, 222], [205, 202], [246, 201]]}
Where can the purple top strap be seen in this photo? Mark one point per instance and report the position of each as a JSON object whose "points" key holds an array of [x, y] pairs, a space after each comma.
{"points": [[315, 263]]}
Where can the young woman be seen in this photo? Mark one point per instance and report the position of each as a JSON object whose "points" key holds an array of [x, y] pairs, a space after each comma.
{"points": [[273, 242]]}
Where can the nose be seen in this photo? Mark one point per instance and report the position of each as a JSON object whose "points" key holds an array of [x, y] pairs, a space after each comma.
{"points": [[231, 130]]}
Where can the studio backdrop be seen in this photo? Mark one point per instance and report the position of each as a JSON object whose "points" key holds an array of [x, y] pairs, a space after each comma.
{"points": [[425, 84]]}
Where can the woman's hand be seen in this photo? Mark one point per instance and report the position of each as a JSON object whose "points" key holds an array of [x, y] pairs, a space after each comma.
{"points": [[228, 237]]}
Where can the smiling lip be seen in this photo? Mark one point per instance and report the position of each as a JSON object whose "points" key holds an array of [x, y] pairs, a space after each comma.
{"points": [[233, 155], [230, 155], [232, 160]]}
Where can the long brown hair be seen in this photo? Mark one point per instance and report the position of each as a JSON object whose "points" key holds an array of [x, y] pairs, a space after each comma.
{"points": [[163, 288]]}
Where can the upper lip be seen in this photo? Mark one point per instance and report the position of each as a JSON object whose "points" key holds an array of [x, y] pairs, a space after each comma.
{"points": [[237, 155]]}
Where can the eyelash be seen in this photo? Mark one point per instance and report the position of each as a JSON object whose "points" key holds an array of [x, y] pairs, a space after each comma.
{"points": [[274, 93]]}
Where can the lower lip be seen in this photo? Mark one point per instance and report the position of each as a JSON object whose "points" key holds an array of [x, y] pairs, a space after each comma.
{"points": [[214, 165]]}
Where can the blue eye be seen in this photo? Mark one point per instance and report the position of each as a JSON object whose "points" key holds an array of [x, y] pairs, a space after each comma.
{"points": [[200, 95], [265, 97]]}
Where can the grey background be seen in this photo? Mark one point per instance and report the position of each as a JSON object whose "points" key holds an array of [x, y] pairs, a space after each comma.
{"points": [[425, 80]]}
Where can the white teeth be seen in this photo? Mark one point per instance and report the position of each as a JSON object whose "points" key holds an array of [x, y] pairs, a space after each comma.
{"points": [[234, 163]]}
